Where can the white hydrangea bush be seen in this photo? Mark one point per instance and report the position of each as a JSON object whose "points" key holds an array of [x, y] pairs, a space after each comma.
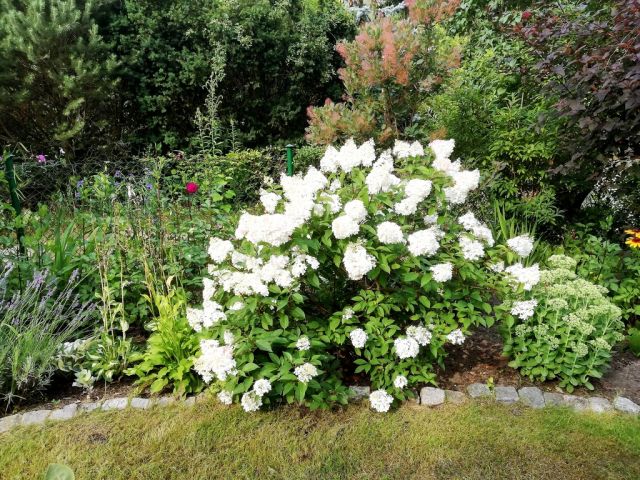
{"points": [[359, 268]]}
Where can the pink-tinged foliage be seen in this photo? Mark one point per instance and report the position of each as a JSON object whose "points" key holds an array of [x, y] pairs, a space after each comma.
{"points": [[389, 64]]}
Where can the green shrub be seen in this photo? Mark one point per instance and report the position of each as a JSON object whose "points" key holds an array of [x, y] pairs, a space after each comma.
{"points": [[168, 358], [565, 331], [351, 273], [277, 56]]}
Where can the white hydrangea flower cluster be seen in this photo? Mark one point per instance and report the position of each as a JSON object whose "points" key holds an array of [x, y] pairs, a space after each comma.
{"points": [[357, 262], [400, 382], [253, 275], [348, 224], [456, 337], [215, 361], [521, 245], [358, 337], [464, 181], [527, 276], [442, 272], [305, 372], [406, 347], [403, 149], [303, 344], [524, 309], [416, 191], [422, 335], [380, 401], [390, 233], [424, 242]]}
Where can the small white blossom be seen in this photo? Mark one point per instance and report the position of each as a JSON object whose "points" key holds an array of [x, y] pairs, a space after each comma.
{"points": [[219, 249], [236, 306], [420, 334], [525, 309], [228, 337], [358, 337], [303, 344], [456, 337], [305, 372], [400, 381], [527, 276], [522, 245], [269, 200], [225, 397], [262, 387], [251, 402], [356, 210], [380, 401], [471, 249]]}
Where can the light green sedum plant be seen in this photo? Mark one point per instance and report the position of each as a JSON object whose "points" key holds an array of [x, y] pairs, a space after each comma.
{"points": [[566, 331]]}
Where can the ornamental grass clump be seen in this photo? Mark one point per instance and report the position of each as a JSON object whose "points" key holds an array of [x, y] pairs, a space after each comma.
{"points": [[565, 330], [357, 271]]}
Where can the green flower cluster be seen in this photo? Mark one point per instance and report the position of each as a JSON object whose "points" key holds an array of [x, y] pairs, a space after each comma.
{"points": [[571, 333]]}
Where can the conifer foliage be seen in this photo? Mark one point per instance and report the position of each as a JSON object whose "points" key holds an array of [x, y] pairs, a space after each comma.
{"points": [[55, 74]]}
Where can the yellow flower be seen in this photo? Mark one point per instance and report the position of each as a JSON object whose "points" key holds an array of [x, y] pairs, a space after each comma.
{"points": [[633, 242], [633, 231]]}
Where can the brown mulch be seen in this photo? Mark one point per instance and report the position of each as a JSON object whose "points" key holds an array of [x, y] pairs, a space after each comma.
{"points": [[480, 358]]}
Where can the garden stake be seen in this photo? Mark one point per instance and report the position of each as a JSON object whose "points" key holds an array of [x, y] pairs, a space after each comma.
{"points": [[289, 160], [15, 200]]}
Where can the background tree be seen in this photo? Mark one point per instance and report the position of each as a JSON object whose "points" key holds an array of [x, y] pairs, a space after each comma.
{"points": [[57, 87]]}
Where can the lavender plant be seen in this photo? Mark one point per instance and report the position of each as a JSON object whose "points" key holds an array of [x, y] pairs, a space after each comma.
{"points": [[34, 324]]}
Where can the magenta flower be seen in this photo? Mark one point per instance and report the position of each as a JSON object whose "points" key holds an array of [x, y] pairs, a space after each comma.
{"points": [[41, 158], [191, 188]]}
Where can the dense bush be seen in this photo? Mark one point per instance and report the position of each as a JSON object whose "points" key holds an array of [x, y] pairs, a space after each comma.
{"points": [[352, 270], [565, 331], [589, 58], [277, 59], [504, 128]]}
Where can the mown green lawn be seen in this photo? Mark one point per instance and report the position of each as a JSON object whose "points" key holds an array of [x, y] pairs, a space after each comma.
{"points": [[207, 441]]}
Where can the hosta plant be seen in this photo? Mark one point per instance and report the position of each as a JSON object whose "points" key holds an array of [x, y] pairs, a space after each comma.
{"points": [[359, 271], [565, 330]]}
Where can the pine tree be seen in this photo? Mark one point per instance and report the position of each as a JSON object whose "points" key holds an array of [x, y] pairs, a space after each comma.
{"points": [[57, 76]]}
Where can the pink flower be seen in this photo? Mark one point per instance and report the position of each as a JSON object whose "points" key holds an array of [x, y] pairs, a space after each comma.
{"points": [[41, 158], [191, 188], [526, 15]]}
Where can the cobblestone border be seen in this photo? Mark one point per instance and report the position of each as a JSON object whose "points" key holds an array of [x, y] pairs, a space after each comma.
{"points": [[429, 397]]}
